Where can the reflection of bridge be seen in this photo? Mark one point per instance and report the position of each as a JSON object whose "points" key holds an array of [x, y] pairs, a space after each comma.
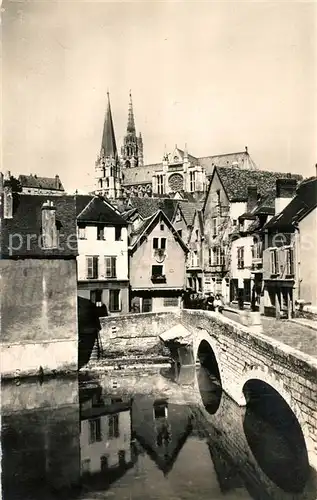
{"points": [[236, 353]]}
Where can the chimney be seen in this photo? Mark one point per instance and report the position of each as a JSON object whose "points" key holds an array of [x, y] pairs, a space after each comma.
{"points": [[285, 191], [49, 229], [57, 182], [7, 196], [252, 198], [246, 149]]}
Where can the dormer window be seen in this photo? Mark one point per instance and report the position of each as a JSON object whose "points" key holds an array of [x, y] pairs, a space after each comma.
{"points": [[82, 233], [176, 159], [100, 233]]}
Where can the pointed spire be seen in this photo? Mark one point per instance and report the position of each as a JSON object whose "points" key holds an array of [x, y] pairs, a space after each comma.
{"points": [[108, 144], [131, 125]]}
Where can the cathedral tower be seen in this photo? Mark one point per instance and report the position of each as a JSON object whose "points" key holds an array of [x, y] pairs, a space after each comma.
{"points": [[132, 149], [108, 170]]}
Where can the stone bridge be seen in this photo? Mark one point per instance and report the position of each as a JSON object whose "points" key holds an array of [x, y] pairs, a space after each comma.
{"points": [[244, 361]]}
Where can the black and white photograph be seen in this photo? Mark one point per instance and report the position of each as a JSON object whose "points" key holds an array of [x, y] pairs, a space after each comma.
{"points": [[158, 236]]}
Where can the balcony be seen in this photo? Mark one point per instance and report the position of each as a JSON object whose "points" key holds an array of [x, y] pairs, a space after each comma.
{"points": [[218, 268], [157, 278]]}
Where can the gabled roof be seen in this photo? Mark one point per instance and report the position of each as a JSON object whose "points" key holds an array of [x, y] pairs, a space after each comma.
{"points": [[33, 181], [149, 206], [198, 216], [147, 227], [188, 209], [26, 224], [235, 182], [140, 175], [98, 210], [300, 206]]}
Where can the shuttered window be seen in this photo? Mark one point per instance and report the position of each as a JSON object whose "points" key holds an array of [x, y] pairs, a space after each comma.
{"points": [[92, 267], [110, 267]]}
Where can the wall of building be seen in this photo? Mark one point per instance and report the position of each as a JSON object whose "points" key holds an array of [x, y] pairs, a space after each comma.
{"points": [[142, 260], [109, 445], [307, 249], [42, 191], [39, 315], [101, 248]]}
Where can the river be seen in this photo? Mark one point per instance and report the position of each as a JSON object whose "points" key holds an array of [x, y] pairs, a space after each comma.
{"points": [[141, 436]]}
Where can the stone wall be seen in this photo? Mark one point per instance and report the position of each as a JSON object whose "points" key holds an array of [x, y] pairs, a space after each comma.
{"points": [[243, 355], [132, 333]]}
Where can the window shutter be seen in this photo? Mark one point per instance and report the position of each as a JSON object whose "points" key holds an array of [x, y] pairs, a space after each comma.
{"points": [[163, 243], [95, 267]]}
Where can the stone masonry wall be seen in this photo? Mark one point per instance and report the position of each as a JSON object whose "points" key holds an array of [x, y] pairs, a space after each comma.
{"points": [[134, 332], [243, 355]]}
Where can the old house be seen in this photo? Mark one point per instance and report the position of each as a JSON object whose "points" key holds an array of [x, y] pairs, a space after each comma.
{"points": [[33, 184], [226, 200], [289, 273], [39, 282], [157, 257], [195, 257], [105, 439], [167, 428], [102, 255]]}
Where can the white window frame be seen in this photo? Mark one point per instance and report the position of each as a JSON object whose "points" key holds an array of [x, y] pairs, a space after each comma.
{"points": [[108, 261], [92, 267]]}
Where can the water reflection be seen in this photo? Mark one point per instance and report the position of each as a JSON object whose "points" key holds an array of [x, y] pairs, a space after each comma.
{"points": [[145, 444]]}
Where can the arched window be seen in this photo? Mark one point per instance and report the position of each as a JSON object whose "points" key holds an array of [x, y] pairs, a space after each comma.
{"points": [[100, 183]]}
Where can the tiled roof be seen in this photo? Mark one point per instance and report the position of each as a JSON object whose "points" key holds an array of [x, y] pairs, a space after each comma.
{"points": [[189, 208], [99, 211], [304, 201], [149, 206], [236, 181], [27, 223], [240, 160], [33, 181], [140, 175]]}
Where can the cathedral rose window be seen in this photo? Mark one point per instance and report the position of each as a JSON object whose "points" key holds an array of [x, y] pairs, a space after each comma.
{"points": [[176, 182]]}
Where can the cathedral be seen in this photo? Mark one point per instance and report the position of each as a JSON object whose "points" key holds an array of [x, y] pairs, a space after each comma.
{"points": [[179, 175]]}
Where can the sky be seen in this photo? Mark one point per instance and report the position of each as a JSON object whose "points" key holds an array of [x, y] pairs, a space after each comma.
{"points": [[218, 76]]}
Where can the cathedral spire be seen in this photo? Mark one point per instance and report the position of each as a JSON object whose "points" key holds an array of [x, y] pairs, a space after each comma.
{"points": [[131, 125], [108, 144]]}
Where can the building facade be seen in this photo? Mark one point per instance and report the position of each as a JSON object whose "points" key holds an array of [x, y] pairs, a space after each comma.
{"points": [[32, 184], [39, 283], [103, 275], [195, 257], [157, 257]]}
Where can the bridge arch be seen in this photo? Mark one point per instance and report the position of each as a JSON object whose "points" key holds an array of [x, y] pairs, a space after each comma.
{"points": [[208, 377], [264, 374]]}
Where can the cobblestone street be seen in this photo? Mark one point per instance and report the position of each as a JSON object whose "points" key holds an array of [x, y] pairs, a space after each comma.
{"points": [[297, 336]]}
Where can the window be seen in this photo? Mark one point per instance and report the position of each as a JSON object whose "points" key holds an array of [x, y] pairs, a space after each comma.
{"points": [[190, 282], [209, 257], [82, 233], [114, 301], [113, 426], [218, 256], [100, 233], [273, 262], [199, 284], [214, 226], [289, 261], [100, 183], [234, 222], [170, 301], [103, 462], [197, 235], [96, 296], [160, 189], [94, 430], [240, 257], [147, 304], [92, 267], [157, 271], [162, 227], [160, 410], [121, 456], [118, 233], [110, 267], [159, 243], [192, 181]]}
